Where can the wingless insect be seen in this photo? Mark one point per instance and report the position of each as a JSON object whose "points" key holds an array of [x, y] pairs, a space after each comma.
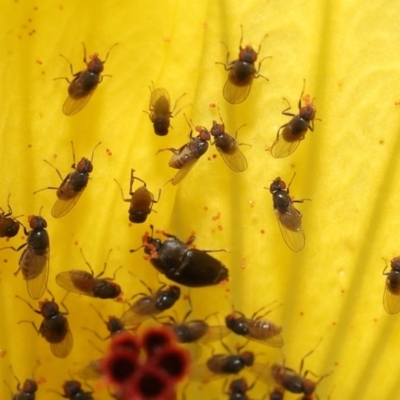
{"points": [[182, 264], [141, 201], [84, 83]]}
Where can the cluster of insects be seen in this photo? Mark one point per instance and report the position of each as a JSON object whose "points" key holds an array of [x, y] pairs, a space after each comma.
{"points": [[176, 260]]}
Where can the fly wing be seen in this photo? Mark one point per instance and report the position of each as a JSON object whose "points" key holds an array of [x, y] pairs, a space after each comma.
{"points": [[63, 207], [263, 372], [391, 301], [234, 158], [184, 170], [275, 340], [160, 94], [139, 312], [92, 371], [36, 271], [63, 348], [236, 94], [72, 106], [281, 148], [201, 373], [77, 281], [291, 229], [214, 333]]}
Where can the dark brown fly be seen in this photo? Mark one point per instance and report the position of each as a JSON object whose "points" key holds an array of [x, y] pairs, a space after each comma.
{"points": [[291, 134], [34, 260], [185, 158], [54, 327], [141, 201], [9, 226], [88, 284], [228, 148], [84, 83], [241, 73], [72, 186], [160, 111], [289, 218], [25, 392], [149, 305], [255, 328], [391, 295], [286, 378]]}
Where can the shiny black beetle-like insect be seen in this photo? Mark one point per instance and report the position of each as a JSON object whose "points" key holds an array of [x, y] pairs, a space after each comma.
{"points": [[293, 132], [54, 327], [185, 158], [289, 218], [84, 82], [160, 111], [182, 264], [72, 186], [391, 295], [88, 284], [241, 73], [141, 201], [34, 261], [228, 148], [149, 305]]}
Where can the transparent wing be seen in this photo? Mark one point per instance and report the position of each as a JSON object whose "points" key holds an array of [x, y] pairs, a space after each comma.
{"points": [[139, 313], [92, 371], [72, 106], [273, 341], [158, 94], [77, 281], [36, 271], [63, 207], [234, 158], [281, 148], [391, 301], [63, 348], [291, 229], [263, 372], [201, 373], [184, 170], [236, 94], [214, 333]]}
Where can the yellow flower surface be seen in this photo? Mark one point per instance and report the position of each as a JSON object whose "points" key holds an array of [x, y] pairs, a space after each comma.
{"points": [[347, 52]]}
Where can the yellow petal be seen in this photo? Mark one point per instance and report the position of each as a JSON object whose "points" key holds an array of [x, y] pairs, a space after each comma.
{"points": [[348, 54]]}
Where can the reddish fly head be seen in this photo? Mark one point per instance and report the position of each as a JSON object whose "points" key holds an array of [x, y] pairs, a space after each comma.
{"points": [[277, 185], [84, 166], [95, 65], [247, 55]]}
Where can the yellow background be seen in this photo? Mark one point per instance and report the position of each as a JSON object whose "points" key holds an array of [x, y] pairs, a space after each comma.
{"points": [[348, 52]]}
